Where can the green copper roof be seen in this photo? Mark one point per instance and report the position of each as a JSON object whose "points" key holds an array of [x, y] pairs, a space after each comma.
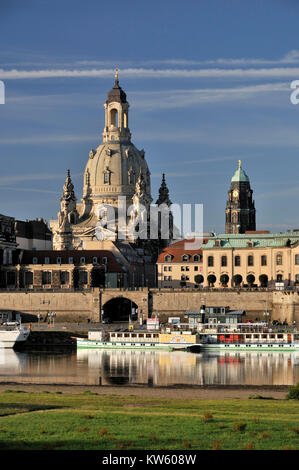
{"points": [[259, 240], [240, 175]]}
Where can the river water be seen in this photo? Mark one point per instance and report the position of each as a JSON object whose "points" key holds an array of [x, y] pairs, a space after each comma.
{"points": [[150, 368]]}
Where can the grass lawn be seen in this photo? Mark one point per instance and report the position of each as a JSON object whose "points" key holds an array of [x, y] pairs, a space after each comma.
{"points": [[90, 421]]}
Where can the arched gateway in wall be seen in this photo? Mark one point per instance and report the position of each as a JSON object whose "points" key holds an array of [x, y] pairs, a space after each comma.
{"points": [[120, 309]]}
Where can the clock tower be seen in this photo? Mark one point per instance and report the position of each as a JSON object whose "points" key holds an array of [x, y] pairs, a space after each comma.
{"points": [[240, 209]]}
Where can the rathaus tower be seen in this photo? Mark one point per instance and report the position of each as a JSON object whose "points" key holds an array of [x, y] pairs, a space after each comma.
{"points": [[240, 209], [116, 168]]}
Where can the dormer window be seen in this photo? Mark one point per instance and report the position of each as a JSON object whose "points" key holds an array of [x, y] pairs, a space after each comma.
{"points": [[217, 242], [185, 258], [250, 244], [168, 258], [196, 258]]}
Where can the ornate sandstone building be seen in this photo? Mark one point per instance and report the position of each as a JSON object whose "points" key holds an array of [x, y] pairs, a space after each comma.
{"points": [[116, 176]]}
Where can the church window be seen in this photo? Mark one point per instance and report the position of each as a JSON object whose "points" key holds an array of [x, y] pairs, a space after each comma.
{"points": [[114, 117], [210, 260], [250, 260], [131, 177], [125, 120], [237, 260], [223, 260], [296, 259], [106, 177], [279, 259], [264, 260]]}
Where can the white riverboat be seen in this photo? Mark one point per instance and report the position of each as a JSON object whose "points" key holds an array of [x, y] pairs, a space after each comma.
{"points": [[251, 340], [137, 340], [10, 336]]}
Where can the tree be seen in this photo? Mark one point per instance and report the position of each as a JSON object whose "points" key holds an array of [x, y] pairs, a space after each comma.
{"points": [[224, 279], [211, 280], [250, 279], [237, 278], [198, 279]]}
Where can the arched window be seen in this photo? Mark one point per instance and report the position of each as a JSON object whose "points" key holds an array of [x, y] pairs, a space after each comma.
{"points": [[167, 258], [196, 258], [210, 260], [114, 117], [125, 120], [185, 258], [279, 259]]}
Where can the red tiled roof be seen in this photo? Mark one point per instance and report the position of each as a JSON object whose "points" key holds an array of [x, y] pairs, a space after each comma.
{"points": [[177, 250]]}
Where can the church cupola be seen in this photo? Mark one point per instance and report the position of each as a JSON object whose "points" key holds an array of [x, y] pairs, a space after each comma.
{"points": [[116, 115], [240, 210]]}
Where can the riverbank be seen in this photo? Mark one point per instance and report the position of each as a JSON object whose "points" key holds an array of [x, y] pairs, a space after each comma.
{"points": [[207, 392], [87, 420]]}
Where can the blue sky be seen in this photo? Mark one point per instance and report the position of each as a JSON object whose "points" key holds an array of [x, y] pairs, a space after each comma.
{"points": [[208, 82]]}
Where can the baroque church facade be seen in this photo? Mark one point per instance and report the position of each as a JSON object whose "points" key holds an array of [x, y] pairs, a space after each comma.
{"points": [[116, 176]]}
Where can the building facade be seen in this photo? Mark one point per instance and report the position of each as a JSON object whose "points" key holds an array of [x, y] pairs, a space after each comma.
{"points": [[251, 259], [180, 267], [33, 235]]}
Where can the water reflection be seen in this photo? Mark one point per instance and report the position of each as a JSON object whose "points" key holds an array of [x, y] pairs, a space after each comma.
{"points": [[150, 368]]}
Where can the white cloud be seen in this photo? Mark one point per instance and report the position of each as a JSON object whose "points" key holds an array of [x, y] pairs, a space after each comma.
{"points": [[32, 177], [237, 73], [51, 139]]}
